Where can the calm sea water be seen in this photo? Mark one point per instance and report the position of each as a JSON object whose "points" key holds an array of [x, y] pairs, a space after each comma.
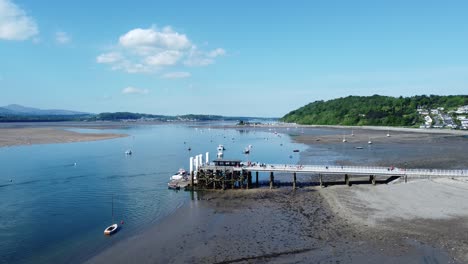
{"points": [[53, 211]]}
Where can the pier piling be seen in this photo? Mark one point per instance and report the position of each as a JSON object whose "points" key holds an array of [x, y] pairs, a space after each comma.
{"points": [[294, 181], [372, 179], [192, 175], [272, 180], [256, 179], [346, 178]]}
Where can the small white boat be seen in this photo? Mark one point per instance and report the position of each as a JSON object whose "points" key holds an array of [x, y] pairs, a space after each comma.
{"points": [[111, 229], [369, 142], [221, 148], [247, 149], [220, 153], [128, 152], [181, 174]]}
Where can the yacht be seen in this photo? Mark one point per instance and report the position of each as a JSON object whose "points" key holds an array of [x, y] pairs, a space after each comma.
{"points": [[247, 149], [180, 175]]}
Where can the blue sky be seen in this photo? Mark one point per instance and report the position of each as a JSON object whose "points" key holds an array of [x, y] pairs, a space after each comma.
{"points": [[253, 58]]}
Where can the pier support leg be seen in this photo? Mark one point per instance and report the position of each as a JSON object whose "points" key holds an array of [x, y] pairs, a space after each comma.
{"points": [[272, 180], [346, 178], [294, 181], [224, 182], [406, 178], [249, 179], [232, 180], [256, 179], [372, 179], [321, 180], [192, 175]]}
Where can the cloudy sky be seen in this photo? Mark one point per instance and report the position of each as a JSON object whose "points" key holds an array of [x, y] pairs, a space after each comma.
{"points": [[226, 57]]}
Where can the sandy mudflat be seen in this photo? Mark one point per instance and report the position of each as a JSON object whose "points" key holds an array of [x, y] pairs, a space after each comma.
{"points": [[46, 135], [432, 211], [422, 221], [266, 226]]}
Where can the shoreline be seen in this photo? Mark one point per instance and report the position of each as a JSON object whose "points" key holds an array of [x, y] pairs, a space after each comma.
{"points": [[357, 128], [10, 137]]}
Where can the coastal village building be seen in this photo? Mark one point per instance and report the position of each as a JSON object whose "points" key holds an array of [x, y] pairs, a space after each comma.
{"points": [[428, 121], [463, 121], [462, 110]]}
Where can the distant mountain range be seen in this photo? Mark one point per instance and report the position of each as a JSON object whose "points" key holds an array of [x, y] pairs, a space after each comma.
{"points": [[19, 110], [19, 113]]}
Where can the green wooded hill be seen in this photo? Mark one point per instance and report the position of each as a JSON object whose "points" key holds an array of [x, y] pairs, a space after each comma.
{"points": [[373, 110]]}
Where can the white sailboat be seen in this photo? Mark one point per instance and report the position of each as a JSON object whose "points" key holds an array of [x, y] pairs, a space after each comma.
{"points": [[112, 228]]}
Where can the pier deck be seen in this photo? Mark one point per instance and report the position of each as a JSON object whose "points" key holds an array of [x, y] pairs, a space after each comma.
{"points": [[341, 170], [212, 176]]}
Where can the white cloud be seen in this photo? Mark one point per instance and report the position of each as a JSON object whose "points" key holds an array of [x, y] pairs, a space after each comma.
{"points": [[133, 90], [176, 75], [151, 50], [215, 53], [167, 39], [62, 37], [131, 67], [14, 23], [200, 58], [165, 58], [109, 57]]}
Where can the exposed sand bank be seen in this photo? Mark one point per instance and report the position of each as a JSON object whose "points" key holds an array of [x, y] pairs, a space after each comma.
{"points": [[263, 226], [45, 135], [432, 211]]}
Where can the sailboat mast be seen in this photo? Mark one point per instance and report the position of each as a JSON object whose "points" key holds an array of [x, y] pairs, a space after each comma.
{"points": [[112, 208]]}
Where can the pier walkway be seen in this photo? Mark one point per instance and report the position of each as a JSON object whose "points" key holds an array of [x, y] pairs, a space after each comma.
{"points": [[356, 170], [341, 170], [235, 174]]}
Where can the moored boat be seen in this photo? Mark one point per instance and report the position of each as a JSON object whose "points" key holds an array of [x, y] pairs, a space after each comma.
{"points": [[180, 175], [111, 229]]}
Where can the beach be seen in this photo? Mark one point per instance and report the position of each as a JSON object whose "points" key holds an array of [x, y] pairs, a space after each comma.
{"points": [[259, 226], [422, 221], [40, 134]]}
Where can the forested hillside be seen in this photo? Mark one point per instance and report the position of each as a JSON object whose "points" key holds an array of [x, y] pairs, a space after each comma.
{"points": [[371, 110]]}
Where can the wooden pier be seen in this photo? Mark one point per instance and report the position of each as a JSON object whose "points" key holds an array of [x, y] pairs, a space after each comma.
{"points": [[225, 174]]}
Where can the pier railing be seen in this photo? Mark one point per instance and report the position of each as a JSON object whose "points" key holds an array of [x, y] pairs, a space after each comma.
{"points": [[356, 170]]}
